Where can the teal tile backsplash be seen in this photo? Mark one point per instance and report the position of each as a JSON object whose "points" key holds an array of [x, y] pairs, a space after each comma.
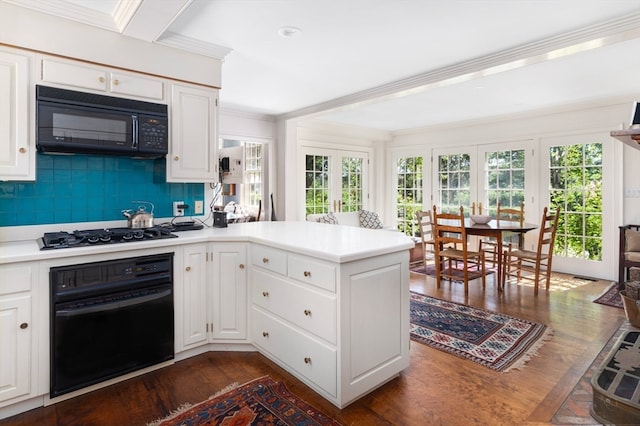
{"points": [[88, 188]]}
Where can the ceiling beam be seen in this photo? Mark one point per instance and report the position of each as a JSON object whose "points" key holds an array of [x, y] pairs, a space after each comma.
{"points": [[149, 21]]}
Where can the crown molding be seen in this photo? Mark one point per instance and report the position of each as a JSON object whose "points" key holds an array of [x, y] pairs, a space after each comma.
{"points": [[193, 45], [580, 40]]}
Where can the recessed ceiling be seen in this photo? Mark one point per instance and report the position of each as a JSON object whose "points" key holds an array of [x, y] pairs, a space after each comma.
{"points": [[391, 64]]}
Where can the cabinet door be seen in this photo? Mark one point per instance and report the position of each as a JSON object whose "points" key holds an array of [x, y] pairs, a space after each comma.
{"points": [[129, 84], [15, 345], [74, 75], [17, 152], [194, 295], [193, 153], [229, 291]]}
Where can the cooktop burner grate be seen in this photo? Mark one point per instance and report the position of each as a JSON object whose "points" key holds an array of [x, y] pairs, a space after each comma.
{"points": [[58, 240]]}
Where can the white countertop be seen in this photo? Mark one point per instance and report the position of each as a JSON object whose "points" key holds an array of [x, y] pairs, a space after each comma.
{"points": [[335, 243]]}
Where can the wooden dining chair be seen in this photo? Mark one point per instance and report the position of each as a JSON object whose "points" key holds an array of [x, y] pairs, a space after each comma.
{"points": [[490, 245], [425, 225], [535, 263], [451, 248]]}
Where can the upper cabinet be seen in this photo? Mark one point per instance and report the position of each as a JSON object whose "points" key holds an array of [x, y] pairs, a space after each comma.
{"points": [[194, 134], [17, 147], [83, 76], [193, 111]]}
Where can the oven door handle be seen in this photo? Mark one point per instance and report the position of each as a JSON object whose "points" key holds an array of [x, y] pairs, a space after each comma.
{"points": [[101, 307]]}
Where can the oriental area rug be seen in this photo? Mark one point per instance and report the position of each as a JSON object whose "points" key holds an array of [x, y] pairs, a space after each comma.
{"points": [[610, 297], [491, 339], [263, 401]]}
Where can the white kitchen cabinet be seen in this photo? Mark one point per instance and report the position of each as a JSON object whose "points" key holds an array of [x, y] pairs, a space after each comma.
{"points": [[194, 135], [17, 146], [228, 296], [78, 75], [193, 297], [18, 358], [343, 329], [213, 294]]}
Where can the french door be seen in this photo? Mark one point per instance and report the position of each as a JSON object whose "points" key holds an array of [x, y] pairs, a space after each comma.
{"points": [[577, 176], [335, 180], [573, 173], [483, 175]]}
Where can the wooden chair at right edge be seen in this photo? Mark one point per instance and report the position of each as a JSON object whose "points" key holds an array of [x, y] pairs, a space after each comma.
{"points": [[534, 262]]}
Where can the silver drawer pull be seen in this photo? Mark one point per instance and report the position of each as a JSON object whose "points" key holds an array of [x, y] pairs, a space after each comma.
{"points": [[307, 360], [265, 260], [307, 312], [265, 334], [307, 273], [265, 293]]}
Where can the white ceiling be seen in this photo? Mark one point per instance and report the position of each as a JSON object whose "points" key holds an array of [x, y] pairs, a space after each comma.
{"points": [[394, 64]]}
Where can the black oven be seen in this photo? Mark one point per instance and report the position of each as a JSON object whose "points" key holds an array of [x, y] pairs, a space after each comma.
{"points": [[68, 121], [109, 318]]}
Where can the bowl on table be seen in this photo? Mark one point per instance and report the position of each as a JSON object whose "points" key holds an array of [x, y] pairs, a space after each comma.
{"points": [[480, 218]]}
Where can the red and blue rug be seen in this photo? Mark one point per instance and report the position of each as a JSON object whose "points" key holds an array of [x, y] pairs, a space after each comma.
{"points": [[491, 339], [610, 297], [260, 402]]}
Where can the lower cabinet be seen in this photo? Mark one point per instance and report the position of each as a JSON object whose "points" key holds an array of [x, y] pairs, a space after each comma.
{"points": [[213, 295], [343, 329], [18, 358]]}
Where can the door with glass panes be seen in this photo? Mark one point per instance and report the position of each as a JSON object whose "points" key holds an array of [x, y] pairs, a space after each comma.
{"points": [[569, 173], [335, 180]]}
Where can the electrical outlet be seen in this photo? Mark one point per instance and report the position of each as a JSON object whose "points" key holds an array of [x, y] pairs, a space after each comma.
{"points": [[198, 207], [177, 211]]}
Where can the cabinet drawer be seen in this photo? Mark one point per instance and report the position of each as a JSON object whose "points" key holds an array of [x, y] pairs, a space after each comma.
{"points": [[308, 309], [73, 75], [312, 272], [16, 278], [307, 357], [269, 258]]}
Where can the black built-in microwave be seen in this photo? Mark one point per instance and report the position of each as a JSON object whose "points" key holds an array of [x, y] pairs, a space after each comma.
{"points": [[68, 121]]}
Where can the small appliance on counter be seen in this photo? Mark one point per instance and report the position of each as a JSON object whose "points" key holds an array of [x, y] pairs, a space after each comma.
{"points": [[187, 225], [220, 219]]}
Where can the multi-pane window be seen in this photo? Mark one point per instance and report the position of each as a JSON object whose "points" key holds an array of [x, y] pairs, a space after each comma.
{"points": [[575, 188], [351, 184], [253, 164], [409, 196], [504, 179], [454, 181], [317, 184]]}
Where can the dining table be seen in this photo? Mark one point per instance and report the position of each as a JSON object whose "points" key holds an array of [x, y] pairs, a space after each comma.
{"points": [[495, 229]]}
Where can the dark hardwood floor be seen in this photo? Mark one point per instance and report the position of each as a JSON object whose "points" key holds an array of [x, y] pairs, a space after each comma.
{"points": [[436, 389]]}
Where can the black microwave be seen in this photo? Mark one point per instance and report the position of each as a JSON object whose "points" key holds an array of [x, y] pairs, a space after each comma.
{"points": [[68, 121]]}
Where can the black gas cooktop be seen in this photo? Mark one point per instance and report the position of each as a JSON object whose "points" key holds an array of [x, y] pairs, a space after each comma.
{"points": [[58, 240]]}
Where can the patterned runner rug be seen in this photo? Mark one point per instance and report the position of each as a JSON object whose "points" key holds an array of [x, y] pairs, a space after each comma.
{"points": [[491, 339], [260, 402]]}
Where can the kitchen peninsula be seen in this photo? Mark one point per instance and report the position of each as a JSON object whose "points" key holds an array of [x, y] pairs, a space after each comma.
{"points": [[328, 303]]}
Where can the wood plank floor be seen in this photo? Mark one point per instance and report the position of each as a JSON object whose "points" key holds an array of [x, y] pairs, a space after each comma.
{"points": [[436, 389]]}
